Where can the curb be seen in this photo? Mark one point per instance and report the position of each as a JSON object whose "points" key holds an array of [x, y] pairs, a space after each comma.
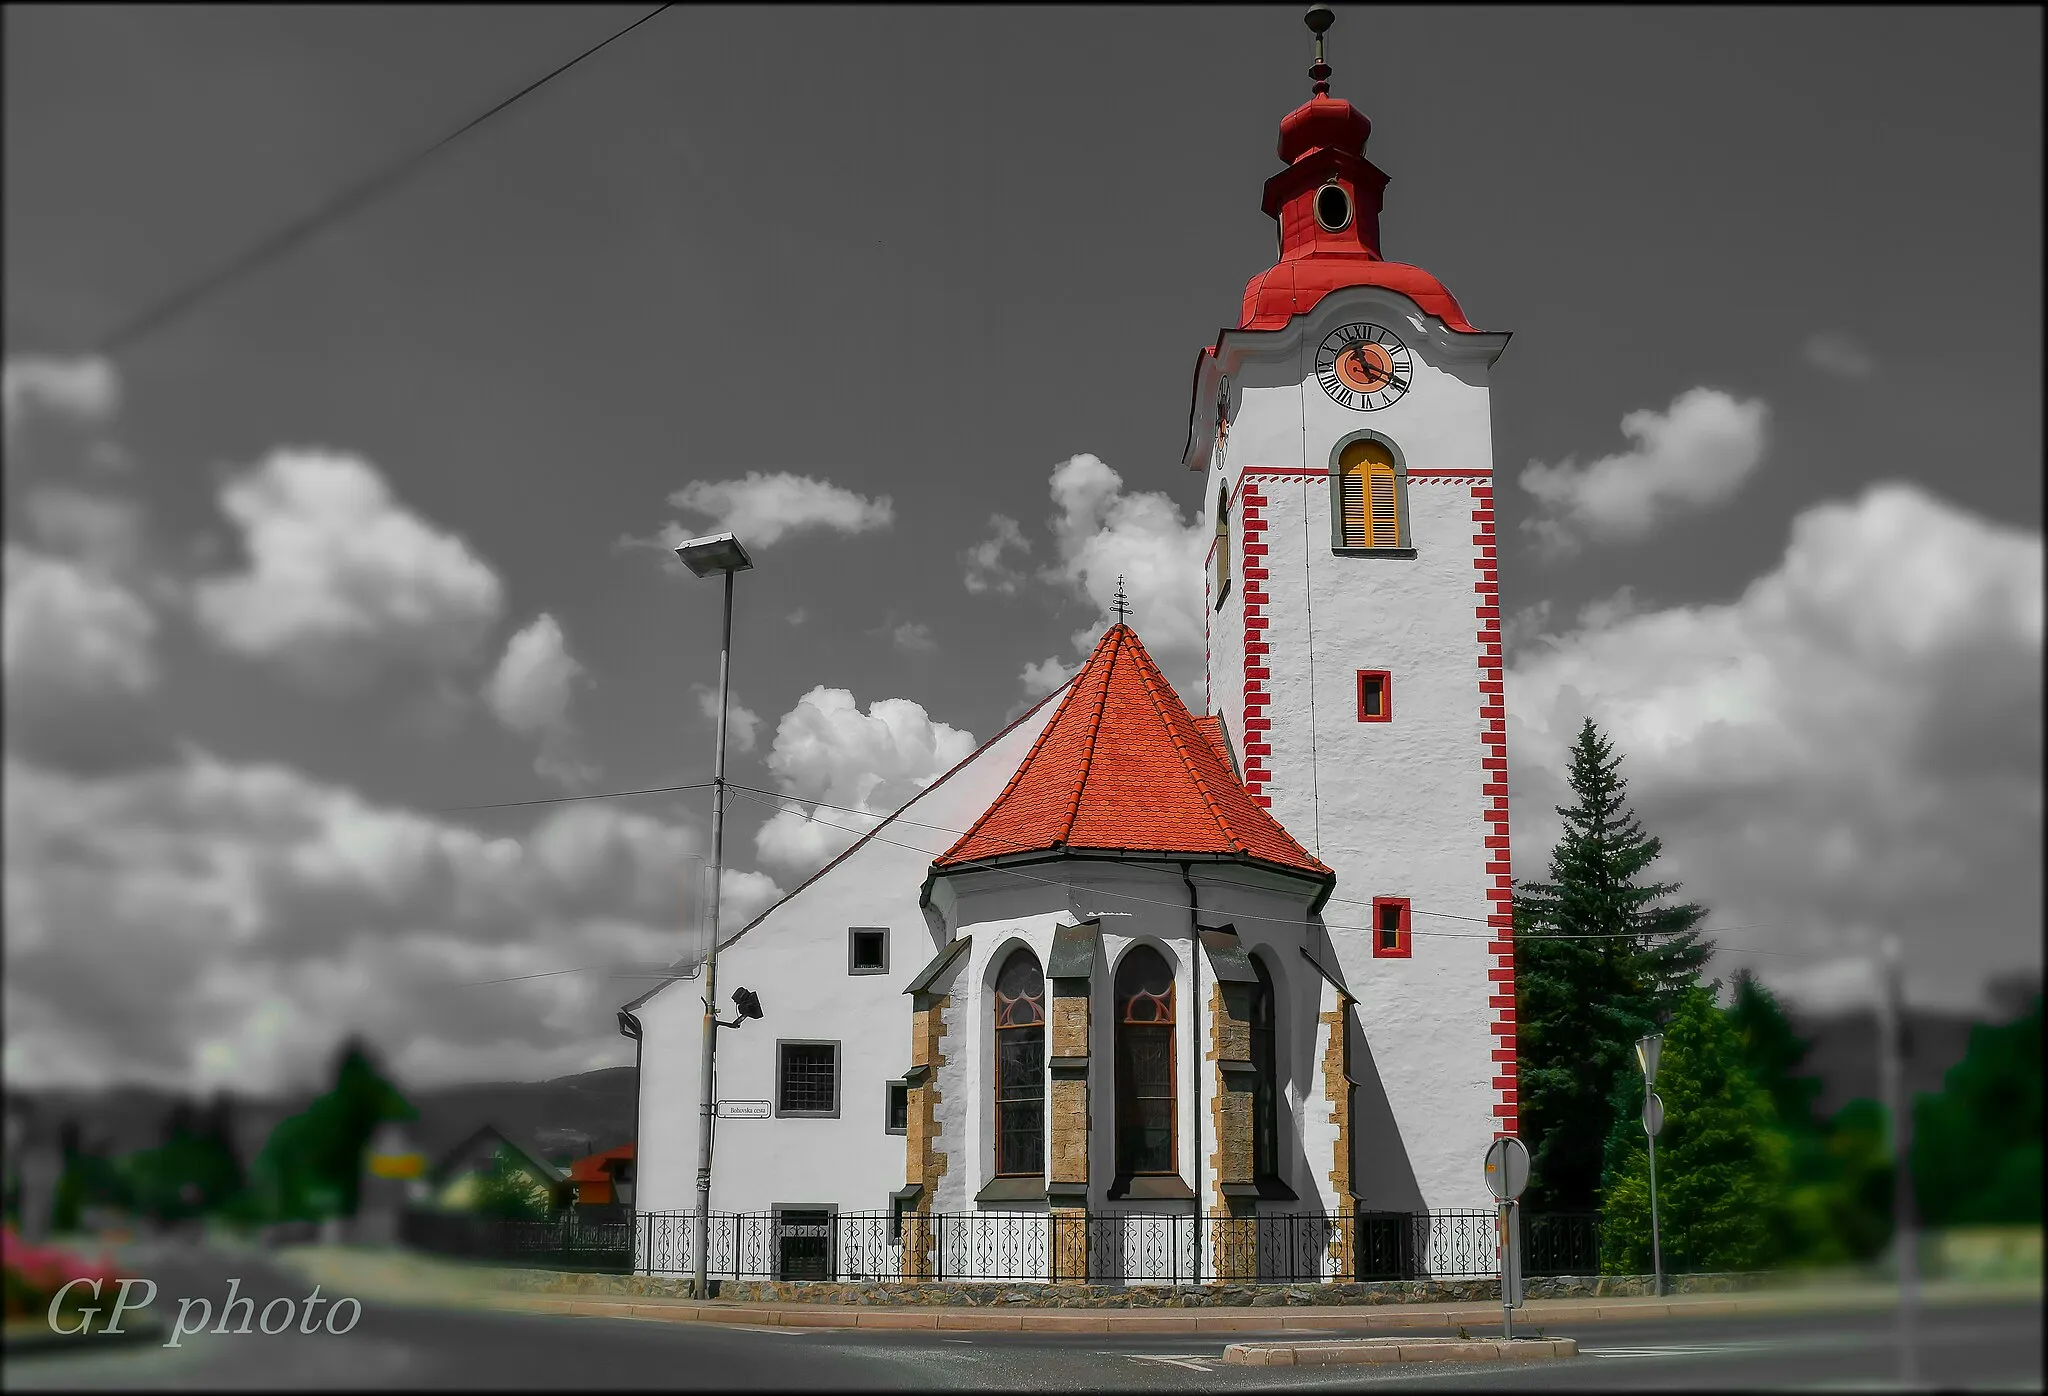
{"points": [[1367, 1318], [1398, 1350]]}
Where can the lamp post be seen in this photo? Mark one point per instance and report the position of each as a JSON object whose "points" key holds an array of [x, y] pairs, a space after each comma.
{"points": [[1647, 1050], [719, 553], [1892, 1032]]}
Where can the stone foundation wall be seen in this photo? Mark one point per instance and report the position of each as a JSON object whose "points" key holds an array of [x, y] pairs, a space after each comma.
{"points": [[1079, 1296]]}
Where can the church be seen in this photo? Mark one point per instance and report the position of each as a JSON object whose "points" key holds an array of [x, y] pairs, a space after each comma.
{"points": [[1135, 993]]}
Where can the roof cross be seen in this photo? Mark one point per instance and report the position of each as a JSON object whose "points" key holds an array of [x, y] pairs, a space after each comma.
{"points": [[1121, 606]]}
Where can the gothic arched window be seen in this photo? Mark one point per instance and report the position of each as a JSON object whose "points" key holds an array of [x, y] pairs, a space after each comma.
{"points": [[1144, 1064], [1265, 1077], [1020, 1065], [1222, 543], [1370, 510]]}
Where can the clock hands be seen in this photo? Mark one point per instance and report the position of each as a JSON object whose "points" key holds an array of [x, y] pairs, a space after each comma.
{"points": [[1372, 370]]}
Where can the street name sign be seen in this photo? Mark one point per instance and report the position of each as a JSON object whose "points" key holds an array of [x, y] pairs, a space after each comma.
{"points": [[744, 1110]]}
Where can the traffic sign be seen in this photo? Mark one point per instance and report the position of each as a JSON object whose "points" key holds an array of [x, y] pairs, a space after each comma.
{"points": [[1653, 1114], [1507, 1168], [743, 1110]]}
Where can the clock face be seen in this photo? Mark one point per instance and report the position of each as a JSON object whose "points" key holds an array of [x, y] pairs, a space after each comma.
{"points": [[1364, 367]]}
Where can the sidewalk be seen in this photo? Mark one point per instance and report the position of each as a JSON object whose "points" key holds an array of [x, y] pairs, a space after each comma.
{"points": [[400, 1278]]}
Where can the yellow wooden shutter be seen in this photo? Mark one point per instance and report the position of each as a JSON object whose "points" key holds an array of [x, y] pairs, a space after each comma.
{"points": [[1386, 509], [1369, 496]]}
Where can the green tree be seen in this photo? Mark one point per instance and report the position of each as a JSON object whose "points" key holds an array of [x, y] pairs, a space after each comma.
{"points": [[194, 1171], [1840, 1208], [507, 1190], [1721, 1161], [1773, 1052], [1977, 1145], [1601, 955], [312, 1166]]}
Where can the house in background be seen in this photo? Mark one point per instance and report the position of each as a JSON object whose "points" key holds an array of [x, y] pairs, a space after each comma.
{"points": [[456, 1179], [603, 1185]]}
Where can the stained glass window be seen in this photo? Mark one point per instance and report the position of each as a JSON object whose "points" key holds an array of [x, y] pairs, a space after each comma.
{"points": [[1144, 1064], [1020, 1065]]}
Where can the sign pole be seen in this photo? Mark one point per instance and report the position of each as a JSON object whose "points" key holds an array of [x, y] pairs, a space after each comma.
{"points": [[1507, 1173], [1656, 1242]]}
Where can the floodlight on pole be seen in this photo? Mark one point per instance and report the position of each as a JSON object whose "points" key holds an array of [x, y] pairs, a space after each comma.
{"points": [[717, 554]]}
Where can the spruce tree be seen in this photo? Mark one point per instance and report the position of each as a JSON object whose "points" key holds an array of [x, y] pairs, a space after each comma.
{"points": [[1601, 957]]}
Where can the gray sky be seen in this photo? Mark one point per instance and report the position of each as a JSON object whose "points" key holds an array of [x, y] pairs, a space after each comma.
{"points": [[265, 567]]}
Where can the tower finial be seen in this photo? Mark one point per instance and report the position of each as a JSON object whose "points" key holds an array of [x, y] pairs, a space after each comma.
{"points": [[1121, 606], [1318, 19]]}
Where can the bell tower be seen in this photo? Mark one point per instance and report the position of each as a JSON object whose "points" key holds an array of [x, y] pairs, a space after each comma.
{"points": [[1344, 432]]}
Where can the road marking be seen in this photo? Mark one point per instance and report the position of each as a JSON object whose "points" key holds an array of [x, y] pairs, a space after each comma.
{"points": [[1193, 1362]]}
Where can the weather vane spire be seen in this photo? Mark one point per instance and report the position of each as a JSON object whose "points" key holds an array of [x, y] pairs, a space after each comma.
{"points": [[1318, 19], [1120, 605]]}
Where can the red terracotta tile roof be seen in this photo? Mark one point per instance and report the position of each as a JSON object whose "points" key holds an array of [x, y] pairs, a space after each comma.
{"points": [[1212, 728], [1123, 767]]}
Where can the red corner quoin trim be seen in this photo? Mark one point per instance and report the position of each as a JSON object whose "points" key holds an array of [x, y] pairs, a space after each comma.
{"points": [[1257, 700], [1493, 789]]}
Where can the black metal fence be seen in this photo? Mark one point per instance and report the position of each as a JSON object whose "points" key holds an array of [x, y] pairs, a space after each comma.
{"points": [[567, 1242], [1110, 1247]]}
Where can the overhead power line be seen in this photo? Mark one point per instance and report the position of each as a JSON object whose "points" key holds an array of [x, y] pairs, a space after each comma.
{"points": [[292, 234], [565, 799]]}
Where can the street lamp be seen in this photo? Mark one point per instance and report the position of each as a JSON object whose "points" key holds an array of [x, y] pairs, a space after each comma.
{"points": [[1647, 1051], [719, 553]]}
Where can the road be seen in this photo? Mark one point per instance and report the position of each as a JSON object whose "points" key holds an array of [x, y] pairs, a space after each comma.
{"points": [[393, 1346]]}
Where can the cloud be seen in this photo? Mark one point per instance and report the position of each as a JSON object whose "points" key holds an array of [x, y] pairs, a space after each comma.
{"points": [[531, 691], [210, 923], [827, 751], [763, 509], [73, 632], [742, 724], [913, 637], [1101, 535], [86, 391], [1839, 355], [343, 581], [1693, 456], [1851, 747], [986, 570], [103, 531], [798, 616]]}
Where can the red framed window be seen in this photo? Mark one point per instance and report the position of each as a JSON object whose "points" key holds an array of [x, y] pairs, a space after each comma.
{"points": [[1390, 935], [1375, 695]]}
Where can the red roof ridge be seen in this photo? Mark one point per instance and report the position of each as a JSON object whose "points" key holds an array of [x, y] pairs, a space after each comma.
{"points": [[1117, 632], [1147, 671]]}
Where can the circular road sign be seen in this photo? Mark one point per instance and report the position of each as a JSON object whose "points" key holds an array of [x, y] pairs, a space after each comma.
{"points": [[1653, 1114], [1507, 1168]]}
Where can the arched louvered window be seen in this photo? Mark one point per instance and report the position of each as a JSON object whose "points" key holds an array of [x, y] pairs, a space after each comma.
{"points": [[1369, 505], [1265, 1077], [1222, 543], [1020, 1064], [1144, 1064]]}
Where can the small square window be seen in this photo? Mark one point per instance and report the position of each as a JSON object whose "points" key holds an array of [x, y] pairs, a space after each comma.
{"points": [[896, 1116], [867, 950], [1375, 696], [807, 1079], [1390, 933]]}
